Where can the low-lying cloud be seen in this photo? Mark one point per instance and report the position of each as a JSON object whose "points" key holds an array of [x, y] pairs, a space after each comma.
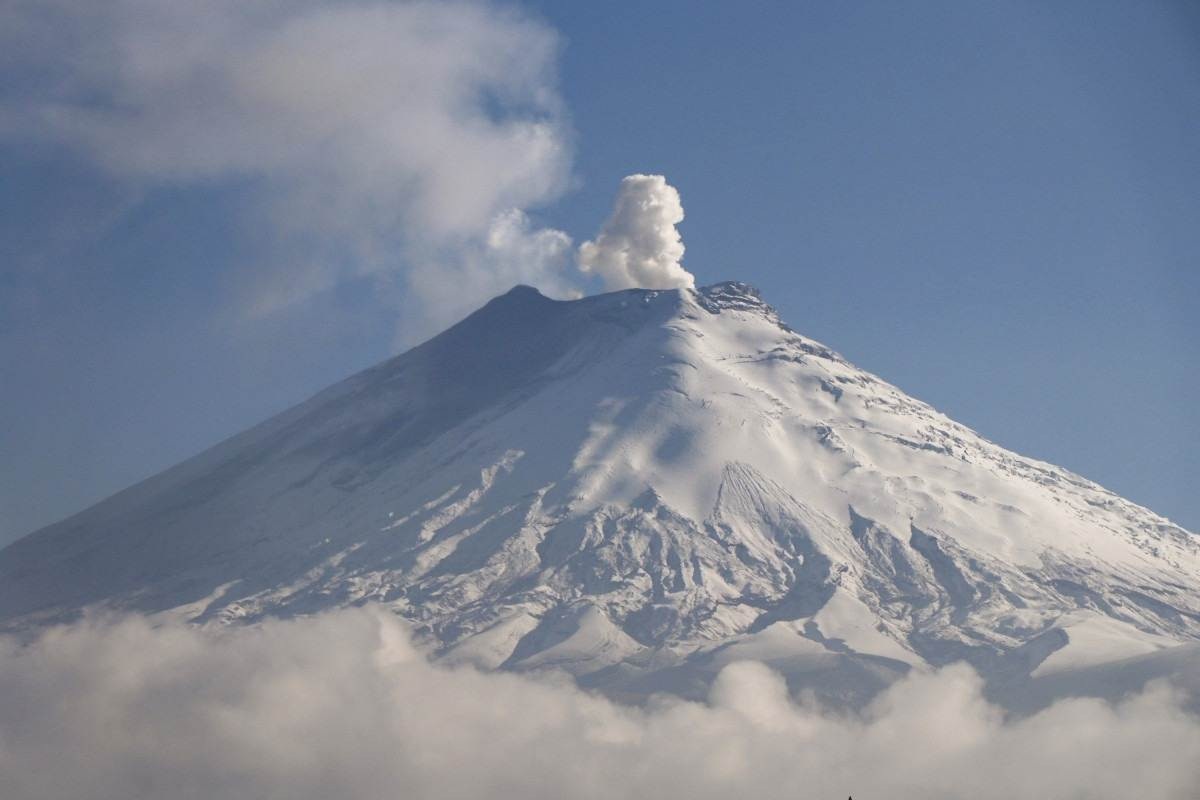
{"points": [[639, 246], [342, 705]]}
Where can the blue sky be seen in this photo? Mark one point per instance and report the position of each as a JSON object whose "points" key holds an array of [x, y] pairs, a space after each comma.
{"points": [[993, 206]]}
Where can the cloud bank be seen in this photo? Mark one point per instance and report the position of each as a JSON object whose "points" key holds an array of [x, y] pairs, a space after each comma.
{"points": [[342, 705], [639, 246]]}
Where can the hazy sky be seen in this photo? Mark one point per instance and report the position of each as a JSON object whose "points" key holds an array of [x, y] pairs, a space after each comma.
{"points": [[210, 211]]}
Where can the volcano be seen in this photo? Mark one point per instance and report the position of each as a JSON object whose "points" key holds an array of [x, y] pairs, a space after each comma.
{"points": [[638, 488]]}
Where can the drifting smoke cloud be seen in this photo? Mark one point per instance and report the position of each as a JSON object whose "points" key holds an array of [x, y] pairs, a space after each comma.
{"points": [[341, 705], [513, 251], [396, 142], [639, 246], [371, 134]]}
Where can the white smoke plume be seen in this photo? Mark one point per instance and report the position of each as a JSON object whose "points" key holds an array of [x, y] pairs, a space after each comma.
{"points": [[379, 140], [639, 246], [400, 143], [342, 705]]}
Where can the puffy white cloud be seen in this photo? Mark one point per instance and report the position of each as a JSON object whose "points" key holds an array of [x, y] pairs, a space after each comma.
{"points": [[639, 246], [376, 137], [341, 705]]}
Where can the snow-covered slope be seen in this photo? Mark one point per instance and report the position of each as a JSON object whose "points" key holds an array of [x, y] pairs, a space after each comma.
{"points": [[637, 488]]}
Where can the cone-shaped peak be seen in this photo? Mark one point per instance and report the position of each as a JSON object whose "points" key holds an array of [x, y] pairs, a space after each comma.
{"points": [[644, 479]]}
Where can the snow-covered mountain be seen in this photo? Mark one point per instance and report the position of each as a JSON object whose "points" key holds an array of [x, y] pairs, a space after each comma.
{"points": [[638, 488]]}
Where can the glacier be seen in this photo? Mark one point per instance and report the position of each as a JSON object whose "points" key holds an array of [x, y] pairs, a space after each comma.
{"points": [[637, 489]]}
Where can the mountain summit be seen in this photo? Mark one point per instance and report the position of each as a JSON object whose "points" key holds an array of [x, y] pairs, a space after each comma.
{"points": [[637, 488]]}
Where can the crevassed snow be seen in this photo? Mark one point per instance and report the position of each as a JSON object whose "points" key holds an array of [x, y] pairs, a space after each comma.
{"points": [[631, 488]]}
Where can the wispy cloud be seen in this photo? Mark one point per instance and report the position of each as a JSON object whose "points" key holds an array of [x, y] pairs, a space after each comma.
{"points": [[341, 705], [399, 143], [386, 139]]}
